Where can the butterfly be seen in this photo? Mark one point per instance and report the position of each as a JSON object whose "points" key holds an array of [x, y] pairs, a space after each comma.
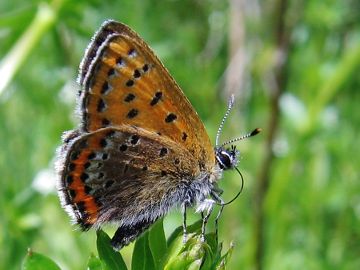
{"points": [[141, 148]]}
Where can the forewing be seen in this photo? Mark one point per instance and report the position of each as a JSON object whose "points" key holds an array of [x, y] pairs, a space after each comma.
{"points": [[125, 83], [122, 175]]}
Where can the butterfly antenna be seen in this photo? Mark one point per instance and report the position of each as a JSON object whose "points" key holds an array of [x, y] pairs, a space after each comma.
{"points": [[239, 192], [230, 105], [252, 133]]}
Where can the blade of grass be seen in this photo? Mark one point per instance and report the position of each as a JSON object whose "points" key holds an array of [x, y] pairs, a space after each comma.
{"points": [[43, 21]]}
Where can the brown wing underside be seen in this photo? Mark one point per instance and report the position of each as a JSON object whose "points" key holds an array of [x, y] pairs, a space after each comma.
{"points": [[114, 174], [125, 83]]}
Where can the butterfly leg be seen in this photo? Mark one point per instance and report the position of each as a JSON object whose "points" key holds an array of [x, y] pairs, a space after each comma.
{"points": [[205, 208], [184, 223], [216, 196]]}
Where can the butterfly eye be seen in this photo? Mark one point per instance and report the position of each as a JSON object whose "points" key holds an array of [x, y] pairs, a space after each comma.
{"points": [[226, 159]]}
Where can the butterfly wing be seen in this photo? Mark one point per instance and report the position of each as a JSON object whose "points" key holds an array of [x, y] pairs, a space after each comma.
{"points": [[125, 83], [126, 175]]}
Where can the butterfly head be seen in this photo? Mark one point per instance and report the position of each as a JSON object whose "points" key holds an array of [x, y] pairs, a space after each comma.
{"points": [[227, 158]]}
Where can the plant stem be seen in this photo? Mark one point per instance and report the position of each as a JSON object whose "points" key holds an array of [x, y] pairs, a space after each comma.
{"points": [[282, 46], [10, 64]]}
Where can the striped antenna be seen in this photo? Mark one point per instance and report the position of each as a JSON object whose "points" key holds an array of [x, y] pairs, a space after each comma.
{"points": [[252, 133], [230, 105]]}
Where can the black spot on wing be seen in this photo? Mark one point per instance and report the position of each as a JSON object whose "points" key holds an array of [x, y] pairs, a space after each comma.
{"points": [[132, 113], [163, 152], [156, 98], [130, 97], [171, 117], [130, 83]]}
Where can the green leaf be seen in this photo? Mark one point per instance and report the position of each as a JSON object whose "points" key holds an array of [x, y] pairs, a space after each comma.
{"points": [[175, 234], [37, 261], [179, 262], [182, 256], [221, 265], [217, 256], [157, 242], [111, 259], [142, 258], [195, 227], [176, 247], [212, 242], [149, 260], [195, 265], [94, 263], [195, 254]]}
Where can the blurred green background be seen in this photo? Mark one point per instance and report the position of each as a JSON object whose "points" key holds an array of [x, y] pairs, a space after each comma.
{"points": [[294, 67]]}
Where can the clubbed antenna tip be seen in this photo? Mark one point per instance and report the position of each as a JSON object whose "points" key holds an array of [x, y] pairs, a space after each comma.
{"points": [[255, 131]]}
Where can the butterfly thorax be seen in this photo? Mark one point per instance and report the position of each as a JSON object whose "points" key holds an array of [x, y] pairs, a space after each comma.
{"points": [[227, 158]]}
